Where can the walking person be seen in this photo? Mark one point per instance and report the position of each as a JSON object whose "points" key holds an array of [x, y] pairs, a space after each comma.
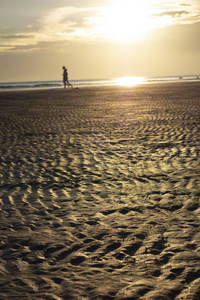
{"points": [[65, 78]]}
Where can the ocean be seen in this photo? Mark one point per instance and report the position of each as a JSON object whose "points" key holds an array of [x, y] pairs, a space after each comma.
{"points": [[122, 81]]}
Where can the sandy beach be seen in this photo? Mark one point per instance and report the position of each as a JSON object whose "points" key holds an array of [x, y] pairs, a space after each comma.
{"points": [[99, 193]]}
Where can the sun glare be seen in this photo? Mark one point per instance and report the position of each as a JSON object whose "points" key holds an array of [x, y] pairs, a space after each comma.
{"points": [[126, 20], [129, 81]]}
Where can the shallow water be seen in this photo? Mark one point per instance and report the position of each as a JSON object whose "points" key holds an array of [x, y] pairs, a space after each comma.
{"points": [[122, 81]]}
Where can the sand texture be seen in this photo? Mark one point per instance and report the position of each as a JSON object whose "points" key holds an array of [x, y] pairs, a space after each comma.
{"points": [[99, 193]]}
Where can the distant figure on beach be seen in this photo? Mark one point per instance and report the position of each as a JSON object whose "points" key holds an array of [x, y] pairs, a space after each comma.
{"points": [[65, 78]]}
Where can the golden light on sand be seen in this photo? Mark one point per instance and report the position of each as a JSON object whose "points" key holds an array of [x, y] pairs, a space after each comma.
{"points": [[126, 20], [129, 81]]}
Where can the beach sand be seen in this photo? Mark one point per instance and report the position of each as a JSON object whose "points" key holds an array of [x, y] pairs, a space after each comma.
{"points": [[99, 195]]}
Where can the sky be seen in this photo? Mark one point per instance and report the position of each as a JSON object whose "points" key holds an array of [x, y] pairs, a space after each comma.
{"points": [[98, 39]]}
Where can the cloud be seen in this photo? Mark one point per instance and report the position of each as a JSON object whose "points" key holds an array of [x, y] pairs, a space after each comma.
{"points": [[59, 24], [67, 22], [176, 15], [71, 23], [16, 36], [80, 23], [10, 42], [173, 14]]}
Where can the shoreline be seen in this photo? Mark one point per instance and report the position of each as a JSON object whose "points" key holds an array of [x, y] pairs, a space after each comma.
{"points": [[99, 193], [181, 81]]}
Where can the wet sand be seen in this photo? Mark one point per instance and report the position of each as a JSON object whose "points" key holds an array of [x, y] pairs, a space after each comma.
{"points": [[99, 193]]}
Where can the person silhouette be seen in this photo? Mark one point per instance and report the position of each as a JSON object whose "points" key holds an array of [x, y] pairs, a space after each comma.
{"points": [[65, 78]]}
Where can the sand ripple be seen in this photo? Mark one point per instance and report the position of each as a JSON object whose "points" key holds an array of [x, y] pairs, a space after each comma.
{"points": [[99, 194]]}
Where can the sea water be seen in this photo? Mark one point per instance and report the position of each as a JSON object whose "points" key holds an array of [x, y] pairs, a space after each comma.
{"points": [[127, 81]]}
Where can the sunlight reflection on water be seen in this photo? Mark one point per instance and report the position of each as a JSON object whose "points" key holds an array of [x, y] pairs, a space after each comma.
{"points": [[129, 81]]}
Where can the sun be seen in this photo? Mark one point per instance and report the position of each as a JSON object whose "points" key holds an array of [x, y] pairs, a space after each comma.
{"points": [[126, 20]]}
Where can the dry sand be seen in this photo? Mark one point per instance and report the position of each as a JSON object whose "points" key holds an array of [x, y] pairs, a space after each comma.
{"points": [[99, 195]]}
